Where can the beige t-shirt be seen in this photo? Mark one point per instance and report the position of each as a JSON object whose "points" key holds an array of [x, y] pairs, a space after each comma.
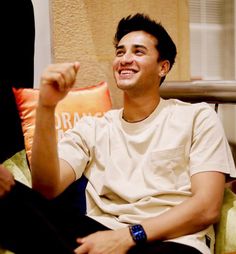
{"points": [[140, 170]]}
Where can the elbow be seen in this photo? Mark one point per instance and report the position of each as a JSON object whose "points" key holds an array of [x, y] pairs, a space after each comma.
{"points": [[48, 188], [210, 217], [46, 191], [214, 217]]}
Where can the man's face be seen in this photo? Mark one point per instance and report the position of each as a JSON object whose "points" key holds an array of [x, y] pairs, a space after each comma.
{"points": [[136, 62]]}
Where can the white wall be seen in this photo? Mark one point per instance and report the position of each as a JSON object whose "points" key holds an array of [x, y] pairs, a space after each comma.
{"points": [[42, 38]]}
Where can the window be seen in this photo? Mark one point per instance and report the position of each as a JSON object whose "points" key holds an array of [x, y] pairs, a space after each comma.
{"points": [[212, 47]]}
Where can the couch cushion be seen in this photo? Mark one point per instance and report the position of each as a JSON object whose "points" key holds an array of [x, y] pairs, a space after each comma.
{"points": [[93, 100], [226, 228], [18, 166]]}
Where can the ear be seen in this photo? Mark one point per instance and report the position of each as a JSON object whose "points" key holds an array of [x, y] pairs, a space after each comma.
{"points": [[164, 68]]}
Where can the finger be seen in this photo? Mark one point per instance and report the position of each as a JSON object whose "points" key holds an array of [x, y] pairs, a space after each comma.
{"points": [[6, 175], [5, 187], [62, 76], [71, 74], [76, 66], [80, 240], [62, 81], [66, 74], [82, 249], [54, 79], [7, 183]]}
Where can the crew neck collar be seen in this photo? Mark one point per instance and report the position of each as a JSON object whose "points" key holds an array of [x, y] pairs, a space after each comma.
{"points": [[142, 123]]}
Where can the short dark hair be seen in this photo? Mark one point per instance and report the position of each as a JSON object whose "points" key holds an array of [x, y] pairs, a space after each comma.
{"points": [[141, 22]]}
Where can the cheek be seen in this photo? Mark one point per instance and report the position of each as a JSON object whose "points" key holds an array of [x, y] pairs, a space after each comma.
{"points": [[114, 64], [152, 68]]}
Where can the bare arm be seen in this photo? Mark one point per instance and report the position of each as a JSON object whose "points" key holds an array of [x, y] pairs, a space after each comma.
{"points": [[193, 215], [49, 175]]}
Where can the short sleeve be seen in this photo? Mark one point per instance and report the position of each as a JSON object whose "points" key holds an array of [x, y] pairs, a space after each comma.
{"points": [[210, 150], [75, 146]]}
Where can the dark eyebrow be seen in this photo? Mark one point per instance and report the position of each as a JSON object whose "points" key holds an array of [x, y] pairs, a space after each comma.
{"points": [[120, 47], [139, 46], [135, 46]]}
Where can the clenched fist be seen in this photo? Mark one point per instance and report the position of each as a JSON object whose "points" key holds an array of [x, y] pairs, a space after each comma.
{"points": [[56, 82]]}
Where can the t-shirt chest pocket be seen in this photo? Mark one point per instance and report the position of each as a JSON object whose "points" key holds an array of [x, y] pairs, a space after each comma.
{"points": [[169, 167]]}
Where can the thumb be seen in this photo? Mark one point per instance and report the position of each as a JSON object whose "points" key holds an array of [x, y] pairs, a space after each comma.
{"points": [[80, 240], [76, 66]]}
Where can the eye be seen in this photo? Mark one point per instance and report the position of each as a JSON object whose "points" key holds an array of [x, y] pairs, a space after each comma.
{"points": [[119, 52], [139, 52]]}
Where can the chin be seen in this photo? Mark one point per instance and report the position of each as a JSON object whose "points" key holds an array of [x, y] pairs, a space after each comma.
{"points": [[125, 85]]}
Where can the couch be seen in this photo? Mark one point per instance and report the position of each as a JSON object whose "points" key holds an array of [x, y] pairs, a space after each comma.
{"points": [[96, 100]]}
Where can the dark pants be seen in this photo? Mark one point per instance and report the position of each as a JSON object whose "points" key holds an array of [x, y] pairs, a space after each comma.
{"points": [[30, 224]]}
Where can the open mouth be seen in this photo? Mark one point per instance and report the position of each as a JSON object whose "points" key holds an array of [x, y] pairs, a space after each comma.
{"points": [[127, 73]]}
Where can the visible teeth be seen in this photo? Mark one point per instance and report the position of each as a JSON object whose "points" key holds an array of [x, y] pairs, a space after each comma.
{"points": [[126, 72]]}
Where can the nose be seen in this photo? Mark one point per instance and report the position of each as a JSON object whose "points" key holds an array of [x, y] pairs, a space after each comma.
{"points": [[127, 58]]}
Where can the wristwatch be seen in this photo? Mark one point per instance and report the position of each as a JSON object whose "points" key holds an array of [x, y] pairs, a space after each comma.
{"points": [[138, 234]]}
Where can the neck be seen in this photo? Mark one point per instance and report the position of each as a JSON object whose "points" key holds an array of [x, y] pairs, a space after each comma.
{"points": [[138, 109]]}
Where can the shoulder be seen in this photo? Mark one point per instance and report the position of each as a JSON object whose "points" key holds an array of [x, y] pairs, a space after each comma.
{"points": [[112, 114], [189, 106], [190, 110]]}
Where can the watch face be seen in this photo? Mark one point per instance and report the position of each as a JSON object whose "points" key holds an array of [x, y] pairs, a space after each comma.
{"points": [[138, 234]]}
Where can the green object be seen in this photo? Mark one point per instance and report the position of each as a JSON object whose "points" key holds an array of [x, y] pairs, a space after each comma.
{"points": [[18, 166], [226, 228]]}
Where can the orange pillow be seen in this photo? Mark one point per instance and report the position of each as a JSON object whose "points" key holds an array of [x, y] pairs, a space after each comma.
{"points": [[93, 100]]}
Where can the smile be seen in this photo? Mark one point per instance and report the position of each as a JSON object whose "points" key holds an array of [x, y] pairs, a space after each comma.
{"points": [[126, 73]]}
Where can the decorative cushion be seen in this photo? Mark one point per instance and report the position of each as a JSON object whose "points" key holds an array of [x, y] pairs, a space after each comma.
{"points": [[93, 100]]}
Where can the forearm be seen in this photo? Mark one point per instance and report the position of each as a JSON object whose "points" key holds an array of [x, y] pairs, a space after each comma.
{"points": [[49, 176], [178, 221], [44, 160], [192, 215], [181, 220]]}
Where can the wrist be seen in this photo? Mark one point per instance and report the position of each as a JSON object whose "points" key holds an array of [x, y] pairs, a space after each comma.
{"points": [[125, 237], [44, 105]]}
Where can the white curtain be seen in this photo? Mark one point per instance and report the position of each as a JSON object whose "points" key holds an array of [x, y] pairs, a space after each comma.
{"points": [[212, 39]]}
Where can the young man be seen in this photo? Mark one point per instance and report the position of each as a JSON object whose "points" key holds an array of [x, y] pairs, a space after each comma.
{"points": [[155, 169]]}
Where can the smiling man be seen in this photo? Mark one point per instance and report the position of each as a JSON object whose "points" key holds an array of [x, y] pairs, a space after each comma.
{"points": [[138, 72], [155, 169]]}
